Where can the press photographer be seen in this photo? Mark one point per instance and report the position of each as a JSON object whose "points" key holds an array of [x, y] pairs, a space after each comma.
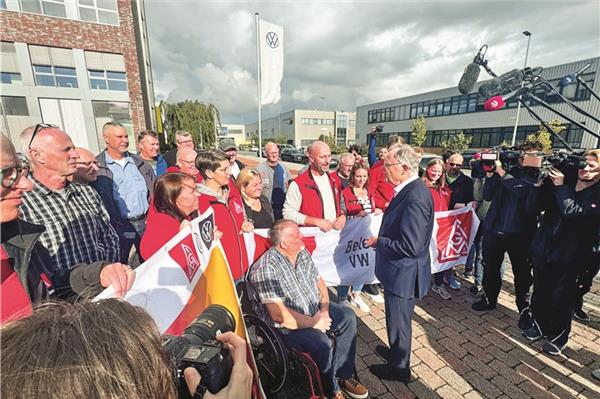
{"points": [[508, 227], [562, 246]]}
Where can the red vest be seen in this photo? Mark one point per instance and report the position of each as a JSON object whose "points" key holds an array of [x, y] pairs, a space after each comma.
{"points": [[441, 198], [382, 191], [353, 207], [160, 228], [15, 302], [312, 201], [228, 219]]}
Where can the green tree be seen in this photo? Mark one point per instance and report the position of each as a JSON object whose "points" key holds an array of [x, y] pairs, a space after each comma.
{"points": [[254, 139], [459, 142], [418, 131], [281, 139], [193, 116], [330, 140], [543, 137]]}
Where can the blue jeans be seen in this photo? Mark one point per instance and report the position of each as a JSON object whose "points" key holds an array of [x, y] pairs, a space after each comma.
{"points": [[333, 360], [130, 234], [342, 290], [475, 260]]}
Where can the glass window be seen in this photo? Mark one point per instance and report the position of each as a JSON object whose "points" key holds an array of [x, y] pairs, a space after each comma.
{"points": [[46, 75], [10, 78], [87, 14], [106, 111], [33, 6], [64, 71], [102, 11], [3, 4], [54, 8], [66, 81], [15, 105], [45, 80], [413, 111], [108, 80]]}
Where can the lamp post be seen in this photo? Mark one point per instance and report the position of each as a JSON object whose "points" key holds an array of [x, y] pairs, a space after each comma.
{"points": [[514, 136], [323, 99]]}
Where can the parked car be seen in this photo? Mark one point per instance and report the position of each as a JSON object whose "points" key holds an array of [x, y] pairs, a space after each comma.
{"points": [[293, 155], [281, 148], [426, 158], [467, 156]]}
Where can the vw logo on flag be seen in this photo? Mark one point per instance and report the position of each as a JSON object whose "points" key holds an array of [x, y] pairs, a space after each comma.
{"points": [[272, 39]]}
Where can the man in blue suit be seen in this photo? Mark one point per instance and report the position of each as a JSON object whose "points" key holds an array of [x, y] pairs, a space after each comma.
{"points": [[403, 264]]}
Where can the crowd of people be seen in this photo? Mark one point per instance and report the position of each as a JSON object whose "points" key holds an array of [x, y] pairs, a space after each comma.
{"points": [[71, 222]]}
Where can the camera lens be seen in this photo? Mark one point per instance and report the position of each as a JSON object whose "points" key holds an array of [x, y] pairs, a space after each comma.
{"points": [[213, 319]]}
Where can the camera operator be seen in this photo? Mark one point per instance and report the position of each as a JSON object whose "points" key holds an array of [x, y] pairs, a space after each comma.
{"points": [[102, 350], [562, 248], [508, 228]]}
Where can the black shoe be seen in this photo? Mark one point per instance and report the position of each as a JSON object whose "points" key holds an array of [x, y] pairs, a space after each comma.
{"points": [[467, 274], [483, 304], [391, 373], [533, 333], [525, 319], [554, 346], [384, 352], [475, 291], [596, 374], [581, 315]]}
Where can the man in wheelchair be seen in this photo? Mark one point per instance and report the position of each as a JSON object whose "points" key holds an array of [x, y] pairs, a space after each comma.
{"points": [[292, 298]]}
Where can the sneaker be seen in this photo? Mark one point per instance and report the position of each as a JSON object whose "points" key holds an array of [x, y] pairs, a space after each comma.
{"points": [[356, 300], [353, 388], [533, 333], [377, 298], [467, 274], [555, 345], [525, 319], [483, 304], [596, 374], [476, 291], [581, 315], [451, 281], [441, 291]]}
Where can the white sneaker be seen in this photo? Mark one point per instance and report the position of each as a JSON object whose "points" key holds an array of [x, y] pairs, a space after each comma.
{"points": [[356, 300], [377, 298], [441, 291]]}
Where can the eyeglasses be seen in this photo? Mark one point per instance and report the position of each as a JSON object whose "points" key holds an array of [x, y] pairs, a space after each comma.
{"points": [[38, 128], [388, 165], [456, 165], [10, 175]]}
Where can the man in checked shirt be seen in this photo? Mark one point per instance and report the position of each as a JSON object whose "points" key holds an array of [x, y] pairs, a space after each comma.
{"points": [[76, 221]]}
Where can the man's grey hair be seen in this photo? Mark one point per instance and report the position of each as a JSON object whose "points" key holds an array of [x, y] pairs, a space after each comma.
{"points": [[395, 139], [346, 155], [110, 125], [24, 140], [276, 231], [406, 155], [181, 133]]}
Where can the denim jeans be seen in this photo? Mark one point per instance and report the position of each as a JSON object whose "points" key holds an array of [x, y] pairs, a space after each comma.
{"points": [[342, 290], [475, 260], [130, 234], [333, 359]]}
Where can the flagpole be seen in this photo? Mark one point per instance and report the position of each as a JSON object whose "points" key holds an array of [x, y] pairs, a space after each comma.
{"points": [[258, 83]]}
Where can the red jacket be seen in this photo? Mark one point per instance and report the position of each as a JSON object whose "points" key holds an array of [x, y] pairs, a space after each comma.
{"points": [[160, 228], [441, 198], [228, 219], [382, 191], [312, 202], [176, 168], [353, 207]]}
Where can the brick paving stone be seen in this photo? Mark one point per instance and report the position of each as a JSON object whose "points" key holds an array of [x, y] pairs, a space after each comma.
{"points": [[476, 338], [508, 387], [455, 324], [503, 356], [535, 391], [455, 363], [481, 368], [534, 375], [506, 372], [501, 341], [429, 358], [479, 383], [474, 395], [422, 391], [453, 347], [428, 376], [398, 389], [563, 380], [448, 392], [454, 335], [455, 380], [480, 354]]}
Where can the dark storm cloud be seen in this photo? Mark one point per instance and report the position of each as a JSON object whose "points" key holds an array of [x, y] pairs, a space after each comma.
{"points": [[354, 53]]}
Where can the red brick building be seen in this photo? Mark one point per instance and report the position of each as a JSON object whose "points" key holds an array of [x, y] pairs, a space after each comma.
{"points": [[76, 64]]}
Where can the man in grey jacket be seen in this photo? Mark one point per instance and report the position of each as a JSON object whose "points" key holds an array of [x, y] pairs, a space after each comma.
{"points": [[275, 179]]}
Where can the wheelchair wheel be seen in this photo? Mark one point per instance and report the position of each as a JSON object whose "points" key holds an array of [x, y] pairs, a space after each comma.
{"points": [[269, 353]]}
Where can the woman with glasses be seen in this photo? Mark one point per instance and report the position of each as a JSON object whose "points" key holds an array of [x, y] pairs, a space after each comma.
{"points": [[24, 262], [435, 179]]}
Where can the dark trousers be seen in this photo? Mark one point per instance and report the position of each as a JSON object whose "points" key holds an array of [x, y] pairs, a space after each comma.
{"points": [[585, 280], [398, 321], [334, 360], [494, 247], [554, 293], [130, 233]]}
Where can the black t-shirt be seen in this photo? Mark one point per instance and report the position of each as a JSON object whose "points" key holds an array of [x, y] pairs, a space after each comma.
{"points": [[264, 218]]}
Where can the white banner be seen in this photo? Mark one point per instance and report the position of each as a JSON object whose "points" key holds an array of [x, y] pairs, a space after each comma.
{"points": [[343, 258], [270, 38]]}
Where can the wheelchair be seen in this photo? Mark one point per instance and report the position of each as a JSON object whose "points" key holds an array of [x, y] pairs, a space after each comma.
{"points": [[284, 372]]}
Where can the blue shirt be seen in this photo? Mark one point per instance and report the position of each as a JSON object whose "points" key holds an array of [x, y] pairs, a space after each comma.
{"points": [[129, 188]]}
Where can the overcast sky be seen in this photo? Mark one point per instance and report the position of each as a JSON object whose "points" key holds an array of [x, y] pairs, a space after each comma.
{"points": [[354, 53]]}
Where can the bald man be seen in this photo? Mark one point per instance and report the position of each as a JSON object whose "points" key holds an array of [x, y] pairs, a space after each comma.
{"points": [[76, 221], [275, 179], [313, 199], [87, 167], [186, 158]]}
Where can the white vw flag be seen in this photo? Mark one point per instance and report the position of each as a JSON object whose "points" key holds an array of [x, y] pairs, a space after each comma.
{"points": [[271, 61]]}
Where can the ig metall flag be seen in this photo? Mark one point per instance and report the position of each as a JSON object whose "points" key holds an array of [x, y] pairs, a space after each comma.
{"points": [[270, 38]]}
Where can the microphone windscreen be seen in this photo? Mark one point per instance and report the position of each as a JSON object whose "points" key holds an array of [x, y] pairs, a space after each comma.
{"points": [[494, 103], [490, 88], [468, 78]]}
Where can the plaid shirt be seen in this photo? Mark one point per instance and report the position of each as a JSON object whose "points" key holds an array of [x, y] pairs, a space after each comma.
{"points": [[76, 221], [275, 279]]}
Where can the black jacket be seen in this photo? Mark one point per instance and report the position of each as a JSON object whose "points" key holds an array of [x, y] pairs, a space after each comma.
{"points": [[462, 190], [569, 225], [30, 260], [507, 213], [104, 184]]}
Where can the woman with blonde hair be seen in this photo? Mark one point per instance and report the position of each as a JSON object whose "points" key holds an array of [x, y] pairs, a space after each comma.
{"points": [[257, 206]]}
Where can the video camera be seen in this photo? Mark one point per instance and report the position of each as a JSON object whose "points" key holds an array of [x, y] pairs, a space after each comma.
{"points": [[378, 128], [508, 156], [198, 348], [568, 162]]}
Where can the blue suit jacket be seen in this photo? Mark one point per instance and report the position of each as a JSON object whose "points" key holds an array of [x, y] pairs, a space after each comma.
{"points": [[403, 263]]}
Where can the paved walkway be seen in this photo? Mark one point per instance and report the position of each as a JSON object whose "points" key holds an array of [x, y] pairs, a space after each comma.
{"points": [[460, 353]]}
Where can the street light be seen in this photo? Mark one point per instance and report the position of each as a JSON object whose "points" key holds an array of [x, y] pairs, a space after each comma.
{"points": [[514, 137], [323, 98]]}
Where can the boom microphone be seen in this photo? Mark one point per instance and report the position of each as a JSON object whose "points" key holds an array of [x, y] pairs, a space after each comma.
{"points": [[572, 78], [471, 73], [503, 84], [497, 102]]}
